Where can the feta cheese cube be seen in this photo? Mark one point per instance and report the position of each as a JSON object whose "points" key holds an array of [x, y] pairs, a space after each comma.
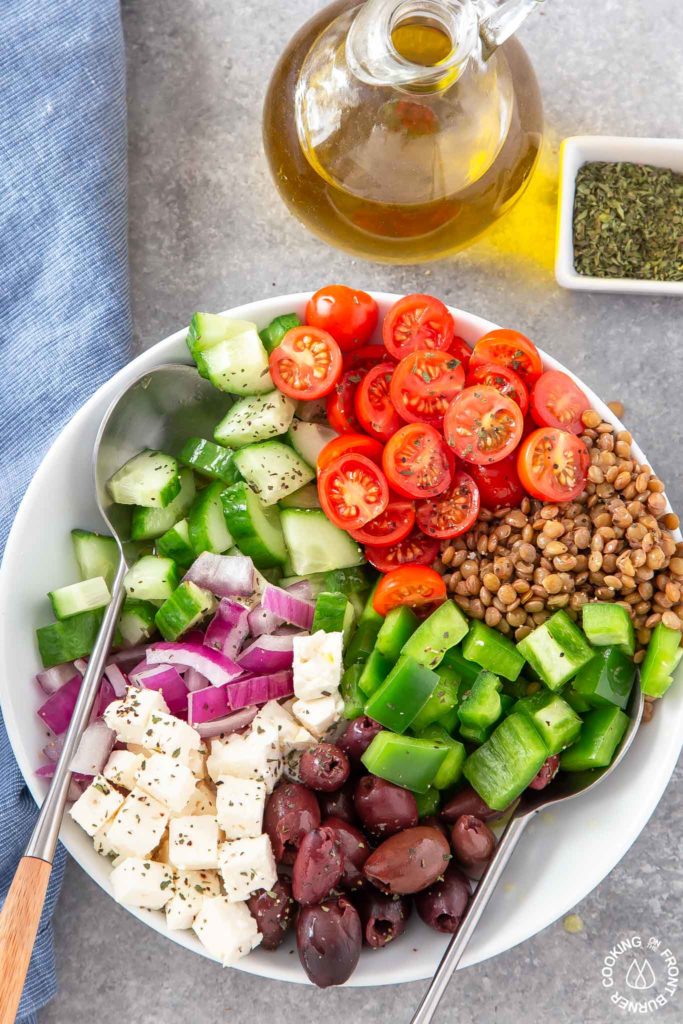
{"points": [[196, 762], [246, 865], [142, 883], [161, 852], [103, 845], [139, 826], [122, 767], [254, 755], [129, 717], [239, 806], [317, 665], [291, 734], [190, 889], [318, 715], [96, 805], [202, 801], [168, 781], [227, 930], [172, 736], [193, 842]]}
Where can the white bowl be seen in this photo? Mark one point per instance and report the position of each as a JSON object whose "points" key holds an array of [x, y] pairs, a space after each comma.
{"points": [[563, 855], [581, 149]]}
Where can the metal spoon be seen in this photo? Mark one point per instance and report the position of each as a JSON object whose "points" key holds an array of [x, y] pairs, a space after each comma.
{"points": [[565, 786], [159, 410]]}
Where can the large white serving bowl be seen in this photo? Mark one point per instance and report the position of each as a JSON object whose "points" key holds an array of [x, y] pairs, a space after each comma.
{"points": [[564, 854]]}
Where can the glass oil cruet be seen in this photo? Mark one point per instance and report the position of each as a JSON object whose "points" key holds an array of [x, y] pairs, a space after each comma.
{"points": [[399, 130]]}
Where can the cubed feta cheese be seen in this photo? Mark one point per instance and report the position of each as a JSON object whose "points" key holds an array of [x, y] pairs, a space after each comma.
{"points": [[193, 842], [142, 883], [227, 930], [254, 755], [103, 845], [246, 865], [172, 736], [129, 717], [96, 805], [122, 767], [240, 804], [317, 665], [320, 715], [202, 801], [169, 781], [291, 734], [190, 889], [139, 826], [196, 762]]}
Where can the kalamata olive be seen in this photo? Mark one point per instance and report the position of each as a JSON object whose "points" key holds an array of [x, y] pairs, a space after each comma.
{"points": [[409, 861], [383, 917], [547, 773], [291, 811], [329, 940], [355, 850], [358, 736], [383, 808], [273, 910], [339, 804], [473, 844], [443, 904], [433, 822], [325, 767], [318, 867], [467, 801]]}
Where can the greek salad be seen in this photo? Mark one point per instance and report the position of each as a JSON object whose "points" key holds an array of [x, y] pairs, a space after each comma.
{"points": [[404, 581]]}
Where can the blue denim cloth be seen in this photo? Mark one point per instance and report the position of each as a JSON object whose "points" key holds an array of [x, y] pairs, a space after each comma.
{"points": [[65, 322]]}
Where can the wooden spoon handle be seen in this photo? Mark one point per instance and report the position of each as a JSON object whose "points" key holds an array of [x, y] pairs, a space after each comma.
{"points": [[19, 922]]}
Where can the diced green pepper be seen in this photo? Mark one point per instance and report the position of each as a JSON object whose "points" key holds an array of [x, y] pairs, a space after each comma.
{"points": [[576, 701], [349, 581], [399, 625], [556, 650], [475, 735], [466, 670], [506, 704], [363, 640], [450, 721], [556, 722], [272, 335], [444, 628], [405, 760], [606, 679], [375, 671], [601, 733], [493, 651], [506, 763], [450, 771], [402, 695], [354, 699], [608, 625], [441, 702], [664, 652], [481, 707], [428, 803]]}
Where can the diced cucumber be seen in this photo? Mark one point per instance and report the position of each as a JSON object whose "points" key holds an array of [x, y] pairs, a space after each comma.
{"points": [[333, 614], [259, 418], [305, 497], [85, 596], [399, 624], [556, 650], [206, 521], [608, 625], [315, 544], [230, 353], [136, 621], [273, 470], [662, 658], [184, 609], [256, 529], [150, 523], [493, 651], [308, 439], [601, 733], [209, 460], [271, 573], [175, 544], [149, 479], [151, 578], [556, 722], [68, 640], [272, 335], [95, 555], [502, 768], [444, 628]]}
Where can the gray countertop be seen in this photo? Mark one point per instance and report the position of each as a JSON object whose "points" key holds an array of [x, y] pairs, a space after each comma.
{"points": [[207, 231]]}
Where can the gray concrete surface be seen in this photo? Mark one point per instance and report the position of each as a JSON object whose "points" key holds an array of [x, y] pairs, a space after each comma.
{"points": [[207, 231]]}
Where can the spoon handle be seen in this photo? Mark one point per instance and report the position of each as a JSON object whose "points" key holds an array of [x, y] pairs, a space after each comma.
{"points": [[460, 940]]}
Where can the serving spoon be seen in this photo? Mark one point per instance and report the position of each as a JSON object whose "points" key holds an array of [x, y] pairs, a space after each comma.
{"points": [[160, 409], [564, 786]]}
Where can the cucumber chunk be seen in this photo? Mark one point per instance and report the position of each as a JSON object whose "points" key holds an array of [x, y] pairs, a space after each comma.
{"points": [[608, 625], [85, 596], [150, 523], [259, 418], [68, 640], [151, 578], [556, 722], [95, 555], [209, 460], [136, 622], [149, 479], [273, 470], [305, 497], [315, 544], [502, 767], [272, 335], [175, 544], [309, 439], [184, 609], [255, 529], [333, 614], [206, 522], [230, 354]]}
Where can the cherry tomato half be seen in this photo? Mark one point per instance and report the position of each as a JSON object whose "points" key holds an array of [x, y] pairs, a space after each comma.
{"points": [[556, 401], [389, 527], [346, 443], [413, 585], [423, 384], [415, 549], [453, 512], [349, 315], [509, 348], [417, 322], [483, 426], [306, 364], [499, 484], [503, 379], [461, 350], [365, 358], [341, 414], [352, 491], [374, 408], [416, 461], [552, 464]]}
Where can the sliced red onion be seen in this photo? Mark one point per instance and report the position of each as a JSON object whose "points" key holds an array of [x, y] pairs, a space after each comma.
{"points": [[127, 658], [57, 710], [194, 680], [194, 636], [217, 668], [94, 748], [52, 679], [104, 698], [207, 704], [260, 689], [228, 628], [228, 724], [290, 631], [53, 748], [287, 606], [46, 771], [76, 789], [268, 654], [117, 679], [302, 589], [223, 575], [169, 682], [80, 664], [262, 622]]}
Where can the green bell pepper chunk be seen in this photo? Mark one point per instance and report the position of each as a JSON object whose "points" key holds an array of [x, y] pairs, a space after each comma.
{"points": [[406, 761], [663, 655], [506, 763], [608, 625], [481, 707], [354, 699], [374, 673], [444, 628], [556, 650], [428, 803], [493, 651], [450, 771], [272, 335], [506, 704], [402, 695], [398, 626], [606, 679], [441, 702], [556, 722], [466, 670], [363, 640], [601, 733], [449, 721]]}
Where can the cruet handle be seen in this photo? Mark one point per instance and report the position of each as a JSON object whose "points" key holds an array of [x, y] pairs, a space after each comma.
{"points": [[503, 22]]}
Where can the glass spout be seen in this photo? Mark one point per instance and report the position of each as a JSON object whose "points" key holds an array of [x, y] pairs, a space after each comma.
{"points": [[503, 22]]}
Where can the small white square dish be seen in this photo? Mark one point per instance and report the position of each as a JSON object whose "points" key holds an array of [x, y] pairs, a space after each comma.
{"points": [[581, 149]]}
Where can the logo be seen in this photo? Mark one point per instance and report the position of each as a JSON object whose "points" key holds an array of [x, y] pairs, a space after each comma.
{"points": [[640, 976]]}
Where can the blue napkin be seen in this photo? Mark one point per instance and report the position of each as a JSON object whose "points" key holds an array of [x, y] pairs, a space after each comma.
{"points": [[65, 323]]}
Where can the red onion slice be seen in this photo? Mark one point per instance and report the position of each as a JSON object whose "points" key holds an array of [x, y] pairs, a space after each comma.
{"points": [[94, 748], [260, 689], [117, 678], [228, 628], [52, 679], [268, 654], [207, 704], [223, 575], [168, 681], [57, 710], [217, 668], [228, 724], [262, 622], [287, 606]]}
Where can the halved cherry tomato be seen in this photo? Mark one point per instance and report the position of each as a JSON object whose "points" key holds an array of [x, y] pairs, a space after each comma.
{"points": [[424, 383], [499, 484], [365, 358], [417, 322], [306, 364], [349, 315], [503, 379], [389, 527], [509, 348], [346, 443], [556, 401], [413, 585], [461, 350], [373, 404], [483, 426], [416, 461], [415, 549], [341, 413], [553, 464], [352, 491], [451, 513]]}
